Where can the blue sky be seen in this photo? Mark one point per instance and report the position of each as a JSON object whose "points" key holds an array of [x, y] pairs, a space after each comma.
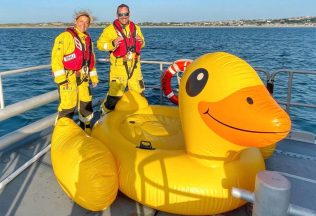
{"points": [[33, 11]]}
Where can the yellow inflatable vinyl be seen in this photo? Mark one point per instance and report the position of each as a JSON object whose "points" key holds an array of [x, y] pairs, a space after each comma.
{"points": [[185, 161], [83, 166]]}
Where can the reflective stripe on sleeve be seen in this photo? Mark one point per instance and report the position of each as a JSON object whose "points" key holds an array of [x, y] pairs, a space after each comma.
{"points": [[59, 73], [93, 73]]}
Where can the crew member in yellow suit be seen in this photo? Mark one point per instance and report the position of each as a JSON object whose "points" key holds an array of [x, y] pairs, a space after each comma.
{"points": [[124, 41], [73, 66]]}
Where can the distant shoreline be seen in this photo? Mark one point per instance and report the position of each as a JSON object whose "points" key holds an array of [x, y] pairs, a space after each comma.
{"points": [[192, 26], [291, 22]]}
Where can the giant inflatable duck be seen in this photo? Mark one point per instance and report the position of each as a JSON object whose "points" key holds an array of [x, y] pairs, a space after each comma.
{"points": [[180, 160], [186, 160]]}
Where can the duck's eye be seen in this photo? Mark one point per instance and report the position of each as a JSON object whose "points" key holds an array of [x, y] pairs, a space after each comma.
{"points": [[196, 82], [249, 100]]}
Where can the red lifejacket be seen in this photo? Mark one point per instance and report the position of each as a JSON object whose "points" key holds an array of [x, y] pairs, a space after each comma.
{"points": [[129, 44], [82, 55]]}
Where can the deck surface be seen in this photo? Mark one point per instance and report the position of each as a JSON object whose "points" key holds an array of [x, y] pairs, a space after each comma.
{"points": [[35, 192]]}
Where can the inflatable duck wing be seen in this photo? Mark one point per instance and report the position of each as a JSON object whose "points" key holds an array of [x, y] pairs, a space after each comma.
{"points": [[84, 167], [186, 160]]}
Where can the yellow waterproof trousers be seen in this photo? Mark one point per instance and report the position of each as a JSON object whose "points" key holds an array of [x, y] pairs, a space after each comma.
{"points": [[71, 94], [121, 78]]}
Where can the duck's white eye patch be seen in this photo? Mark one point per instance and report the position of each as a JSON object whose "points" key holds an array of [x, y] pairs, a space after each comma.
{"points": [[196, 82], [200, 76]]}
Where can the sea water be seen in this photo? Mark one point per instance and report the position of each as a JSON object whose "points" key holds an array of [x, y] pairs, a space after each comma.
{"points": [[267, 48]]}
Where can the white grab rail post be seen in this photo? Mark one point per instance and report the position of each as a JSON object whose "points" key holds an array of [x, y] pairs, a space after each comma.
{"points": [[271, 188]]}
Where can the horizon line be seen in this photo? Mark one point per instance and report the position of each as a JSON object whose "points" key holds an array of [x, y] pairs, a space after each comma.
{"points": [[243, 19]]}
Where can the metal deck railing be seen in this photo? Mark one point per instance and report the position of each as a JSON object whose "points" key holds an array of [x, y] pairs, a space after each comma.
{"points": [[20, 107], [15, 109], [288, 103]]}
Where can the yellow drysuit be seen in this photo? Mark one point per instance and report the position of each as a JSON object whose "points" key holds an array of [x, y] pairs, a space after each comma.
{"points": [[73, 87], [118, 80]]}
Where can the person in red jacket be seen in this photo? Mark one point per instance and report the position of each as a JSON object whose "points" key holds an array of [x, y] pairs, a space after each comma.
{"points": [[73, 67], [123, 40]]}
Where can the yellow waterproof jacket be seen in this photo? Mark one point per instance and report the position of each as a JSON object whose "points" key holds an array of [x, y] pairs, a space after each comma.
{"points": [[108, 35], [64, 45]]}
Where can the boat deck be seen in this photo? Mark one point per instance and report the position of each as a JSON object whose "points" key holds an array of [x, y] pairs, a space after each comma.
{"points": [[36, 191]]}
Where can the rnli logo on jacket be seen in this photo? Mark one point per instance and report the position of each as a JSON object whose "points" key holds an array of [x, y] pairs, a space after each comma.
{"points": [[69, 57], [78, 44]]}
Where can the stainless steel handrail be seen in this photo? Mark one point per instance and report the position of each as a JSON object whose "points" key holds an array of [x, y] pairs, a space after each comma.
{"points": [[17, 71], [266, 73], [35, 127], [37, 101], [28, 104], [269, 77], [161, 64], [291, 73], [22, 133], [28, 69]]}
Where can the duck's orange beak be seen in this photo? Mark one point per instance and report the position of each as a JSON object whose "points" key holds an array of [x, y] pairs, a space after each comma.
{"points": [[249, 117]]}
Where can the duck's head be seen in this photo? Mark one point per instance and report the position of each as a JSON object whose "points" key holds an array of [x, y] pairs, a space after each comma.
{"points": [[221, 95]]}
